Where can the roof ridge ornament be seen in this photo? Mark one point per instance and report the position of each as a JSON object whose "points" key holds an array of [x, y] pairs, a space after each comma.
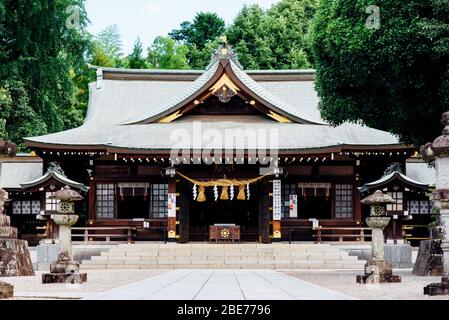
{"points": [[224, 52], [393, 167], [55, 167]]}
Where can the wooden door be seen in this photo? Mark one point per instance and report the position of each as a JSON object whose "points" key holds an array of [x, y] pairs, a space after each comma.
{"points": [[184, 212], [264, 212]]}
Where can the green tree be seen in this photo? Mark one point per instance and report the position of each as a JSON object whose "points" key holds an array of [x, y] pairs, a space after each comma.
{"points": [[197, 35], [135, 60], [277, 38], [166, 53], [394, 77], [42, 47], [110, 42]]}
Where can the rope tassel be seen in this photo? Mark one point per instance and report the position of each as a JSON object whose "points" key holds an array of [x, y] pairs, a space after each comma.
{"points": [[241, 195], [201, 194], [224, 193]]}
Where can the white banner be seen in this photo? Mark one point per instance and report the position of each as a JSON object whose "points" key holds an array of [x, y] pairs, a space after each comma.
{"points": [[293, 206], [172, 205], [277, 203]]}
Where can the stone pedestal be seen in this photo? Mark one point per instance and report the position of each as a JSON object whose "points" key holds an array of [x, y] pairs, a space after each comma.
{"points": [[377, 270], [15, 258], [65, 270], [438, 150], [429, 261], [6, 290]]}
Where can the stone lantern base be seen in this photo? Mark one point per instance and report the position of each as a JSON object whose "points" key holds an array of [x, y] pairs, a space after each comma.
{"points": [[6, 290], [64, 270], [378, 272], [438, 289]]}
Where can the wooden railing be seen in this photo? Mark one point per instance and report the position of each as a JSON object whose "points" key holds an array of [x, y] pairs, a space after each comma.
{"points": [[356, 233], [410, 227], [106, 233]]}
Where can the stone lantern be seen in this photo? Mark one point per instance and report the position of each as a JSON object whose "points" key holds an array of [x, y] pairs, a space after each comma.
{"points": [[65, 269], [377, 270], [438, 150]]}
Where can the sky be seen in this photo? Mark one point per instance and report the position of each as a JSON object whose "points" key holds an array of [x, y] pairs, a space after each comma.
{"points": [[150, 18]]}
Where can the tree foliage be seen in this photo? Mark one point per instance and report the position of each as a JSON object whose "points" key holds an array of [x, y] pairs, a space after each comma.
{"points": [[136, 60], [166, 53], [393, 78], [109, 42], [197, 35], [41, 52], [277, 38]]}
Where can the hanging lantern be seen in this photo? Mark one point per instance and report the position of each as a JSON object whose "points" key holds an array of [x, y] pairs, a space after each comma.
{"points": [[231, 192], [215, 192], [224, 193], [201, 195], [241, 195], [195, 193]]}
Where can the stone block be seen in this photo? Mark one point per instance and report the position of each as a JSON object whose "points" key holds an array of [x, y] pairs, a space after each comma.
{"points": [[64, 278], [6, 290], [15, 260]]}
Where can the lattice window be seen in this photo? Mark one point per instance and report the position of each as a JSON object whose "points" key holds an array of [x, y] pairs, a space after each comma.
{"points": [[105, 202], [398, 197], [344, 201], [17, 207], [26, 207], [159, 201], [419, 207], [51, 204], [287, 190], [35, 207]]}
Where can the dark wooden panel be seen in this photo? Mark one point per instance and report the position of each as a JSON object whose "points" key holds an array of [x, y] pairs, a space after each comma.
{"points": [[264, 213], [336, 170], [300, 170], [112, 171]]}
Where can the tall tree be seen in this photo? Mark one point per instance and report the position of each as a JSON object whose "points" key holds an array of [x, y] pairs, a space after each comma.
{"points": [[135, 60], [197, 35], [110, 42], [277, 38], [42, 46], [166, 53], [393, 76]]}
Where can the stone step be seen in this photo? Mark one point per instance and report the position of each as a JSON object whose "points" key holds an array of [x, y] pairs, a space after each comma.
{"points": [[224, 256]]}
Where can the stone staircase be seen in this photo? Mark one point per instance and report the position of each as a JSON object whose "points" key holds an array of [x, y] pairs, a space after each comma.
{"points": [[224, 256]]}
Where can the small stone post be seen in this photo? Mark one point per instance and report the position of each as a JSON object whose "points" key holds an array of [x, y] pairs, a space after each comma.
{"points": [[439, 151], [65, 270], [377, 270]]}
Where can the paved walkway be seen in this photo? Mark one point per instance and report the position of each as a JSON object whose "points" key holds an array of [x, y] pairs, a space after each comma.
{"points": [[220, 285]]}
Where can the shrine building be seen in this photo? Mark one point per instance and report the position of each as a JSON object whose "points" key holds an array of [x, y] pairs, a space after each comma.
{"points": [[182, 155]]}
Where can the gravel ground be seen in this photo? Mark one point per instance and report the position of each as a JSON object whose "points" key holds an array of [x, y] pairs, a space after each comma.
{"points": [[97, 281], [411, 287]]}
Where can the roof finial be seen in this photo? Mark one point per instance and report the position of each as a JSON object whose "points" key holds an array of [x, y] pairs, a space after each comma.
{"points": [[224, 52], [224, 39]]}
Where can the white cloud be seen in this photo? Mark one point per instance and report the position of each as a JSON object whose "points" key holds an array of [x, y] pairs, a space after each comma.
{"points": [[154, 7]]}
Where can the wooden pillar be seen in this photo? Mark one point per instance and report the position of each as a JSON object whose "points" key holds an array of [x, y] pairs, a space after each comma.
{"points": [[171, 220], [357, 196], [91, 201]]}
